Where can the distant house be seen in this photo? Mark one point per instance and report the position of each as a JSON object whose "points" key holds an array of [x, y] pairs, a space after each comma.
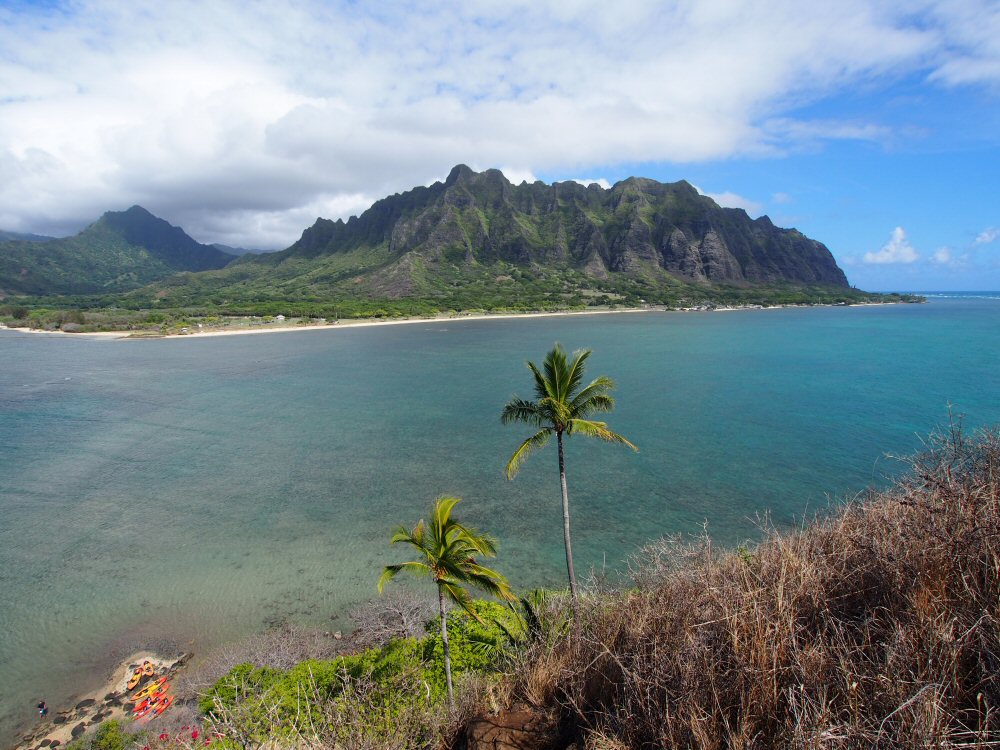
{"points": [[279, 318]]}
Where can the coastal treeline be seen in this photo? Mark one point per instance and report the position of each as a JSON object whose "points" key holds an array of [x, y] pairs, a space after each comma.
{"points": [[90, 313]]}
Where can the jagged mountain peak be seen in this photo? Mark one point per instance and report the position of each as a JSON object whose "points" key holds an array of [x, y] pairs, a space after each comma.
{"points": [[639, 226]]}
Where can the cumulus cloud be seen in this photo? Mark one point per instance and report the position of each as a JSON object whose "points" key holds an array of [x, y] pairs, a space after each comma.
{"points": [[942, 256], [729, 199], [987, 236], [896, 250], [585, 181], [240, 119], [517, 176]]}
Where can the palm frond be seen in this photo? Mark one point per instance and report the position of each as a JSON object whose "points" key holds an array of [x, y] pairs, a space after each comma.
{"points": [[534, 442], [574, 373], [414, 537], [544, 386], [490, 646], [555, 372], [594, 397], [489, 581], [391, 571], [441, 517], [484, 544], [521, 410], [453, 591], [598, 430]]}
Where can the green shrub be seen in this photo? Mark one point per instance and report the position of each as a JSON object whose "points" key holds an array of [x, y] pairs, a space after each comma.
{"points": [[376, 687], [109, 736]]}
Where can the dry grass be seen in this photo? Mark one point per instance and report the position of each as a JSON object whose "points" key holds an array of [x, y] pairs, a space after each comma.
{"points": [[874, 628]]}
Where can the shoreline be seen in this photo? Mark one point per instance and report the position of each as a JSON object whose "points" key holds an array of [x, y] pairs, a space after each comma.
{"points": [[109, 700], [140, 335]]}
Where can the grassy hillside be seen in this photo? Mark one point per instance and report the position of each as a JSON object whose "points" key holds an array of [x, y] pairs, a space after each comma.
{"points": [[120, 251]]}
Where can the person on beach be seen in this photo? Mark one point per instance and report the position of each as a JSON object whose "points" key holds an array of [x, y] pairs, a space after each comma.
{"points": [[43, 710]]}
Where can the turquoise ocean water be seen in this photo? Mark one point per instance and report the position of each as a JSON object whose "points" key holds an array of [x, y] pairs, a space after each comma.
{"points": [[194, 490]]}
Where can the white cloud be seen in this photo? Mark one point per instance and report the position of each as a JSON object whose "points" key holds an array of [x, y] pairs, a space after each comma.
{"points": [[987, 236], [942, 256], [970, 29], [781, 198], [729, 199], [270, 110], [517, 176], [945, 257], [585, 181], [896, 250]]}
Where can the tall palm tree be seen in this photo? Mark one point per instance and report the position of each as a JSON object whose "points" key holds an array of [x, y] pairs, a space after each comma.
{"points": [[562, 407], [446, 552]]}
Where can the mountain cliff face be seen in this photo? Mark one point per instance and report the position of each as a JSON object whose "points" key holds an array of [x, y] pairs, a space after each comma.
{"points": [[639, 228], [120, 251]]}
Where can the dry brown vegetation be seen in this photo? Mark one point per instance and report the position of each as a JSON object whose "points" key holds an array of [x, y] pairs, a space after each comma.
{"points": [[876, 627]]}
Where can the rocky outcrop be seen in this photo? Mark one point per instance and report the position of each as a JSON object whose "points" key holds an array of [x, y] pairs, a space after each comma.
{"points": [[517, 729]]}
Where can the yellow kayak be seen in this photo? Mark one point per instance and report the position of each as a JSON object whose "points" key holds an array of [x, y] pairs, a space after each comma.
{"points": [[134, 679], [149, 689]]}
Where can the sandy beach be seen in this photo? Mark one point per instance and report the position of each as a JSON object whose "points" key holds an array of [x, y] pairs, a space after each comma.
{"points": [[367, 322], [109, 701], [341, 324]]}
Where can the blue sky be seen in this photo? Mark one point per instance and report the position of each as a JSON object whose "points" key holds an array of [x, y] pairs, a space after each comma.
{"points": [[873, 127]]}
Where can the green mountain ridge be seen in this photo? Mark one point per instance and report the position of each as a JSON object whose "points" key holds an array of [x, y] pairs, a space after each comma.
{"points": [[474, 241], [478, 241], [28, 236], [122, 250], [638, 226]]}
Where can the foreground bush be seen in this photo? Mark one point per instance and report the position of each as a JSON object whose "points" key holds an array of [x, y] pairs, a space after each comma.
{"points": [[877, 627], [392, 696]]}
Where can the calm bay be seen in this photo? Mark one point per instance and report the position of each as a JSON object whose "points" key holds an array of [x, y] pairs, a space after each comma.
{"points": [[193, 490]]}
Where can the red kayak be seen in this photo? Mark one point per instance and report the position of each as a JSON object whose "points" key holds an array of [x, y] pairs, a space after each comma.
{"points": [[164, 704], [142, 711]]}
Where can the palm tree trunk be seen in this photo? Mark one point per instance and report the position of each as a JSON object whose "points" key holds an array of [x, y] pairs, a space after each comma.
{"points": [[447, 649], [565, 509]]}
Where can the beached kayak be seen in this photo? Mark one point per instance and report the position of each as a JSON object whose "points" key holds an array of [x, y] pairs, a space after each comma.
{"points": [[151, 688], [164, 704], [134, 679]]}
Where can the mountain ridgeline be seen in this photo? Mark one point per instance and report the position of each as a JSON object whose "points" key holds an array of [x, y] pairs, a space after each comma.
{"points": [[474, 241], [120, 251], [639, 227]]}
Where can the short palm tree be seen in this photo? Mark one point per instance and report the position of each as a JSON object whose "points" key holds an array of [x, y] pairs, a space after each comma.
{"points": [[446, 552], [562, 406]]}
